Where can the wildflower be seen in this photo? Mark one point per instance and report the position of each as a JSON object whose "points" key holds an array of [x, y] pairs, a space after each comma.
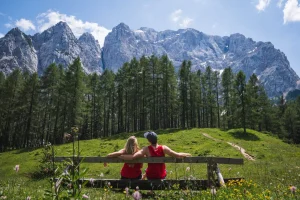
{"points": [[137, 195], [28, 198], [3, 197], [79, 186], [192, 177], [92, 181], [85, 196], [17, 168], [65, 172], [127, 191], [229, 169], [171, 172], [101, 175], [188, 169], [213, 191], [293, 189], [58, 182], [108, 184]]}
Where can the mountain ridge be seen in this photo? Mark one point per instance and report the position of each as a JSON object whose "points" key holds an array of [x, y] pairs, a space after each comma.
{"points": [[59, 44]]}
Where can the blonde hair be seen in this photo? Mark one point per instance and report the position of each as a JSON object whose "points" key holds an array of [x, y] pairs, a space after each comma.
{"points": [[131, 145]]}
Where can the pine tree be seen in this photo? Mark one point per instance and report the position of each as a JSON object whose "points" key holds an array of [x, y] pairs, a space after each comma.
{"points": [[240, 87], [9, 108], [30, 101], [74, 93], [227, 83]]}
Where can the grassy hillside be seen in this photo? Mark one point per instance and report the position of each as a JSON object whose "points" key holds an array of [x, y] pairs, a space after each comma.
{"points": [[276, 165]]}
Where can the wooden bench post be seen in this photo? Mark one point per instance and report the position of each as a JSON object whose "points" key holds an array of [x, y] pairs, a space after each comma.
{"points": [[211, 166]]}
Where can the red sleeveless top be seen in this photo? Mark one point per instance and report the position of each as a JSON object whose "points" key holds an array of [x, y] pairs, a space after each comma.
{"points": [[131, 170], [156, 170]]}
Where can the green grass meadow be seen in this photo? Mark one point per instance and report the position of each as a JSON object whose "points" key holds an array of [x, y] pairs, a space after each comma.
{"points": [[276, 167]]}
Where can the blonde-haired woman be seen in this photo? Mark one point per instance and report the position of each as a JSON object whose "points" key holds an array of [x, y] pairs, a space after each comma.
{"points": [[129, 170]]}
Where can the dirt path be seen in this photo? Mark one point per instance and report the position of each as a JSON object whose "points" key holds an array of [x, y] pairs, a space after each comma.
{"points": [[242, 150]]}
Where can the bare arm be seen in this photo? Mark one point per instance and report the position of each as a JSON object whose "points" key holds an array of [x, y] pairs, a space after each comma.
{"points": [[113, 155], [141, 153], [116, 154], [175, 154]]}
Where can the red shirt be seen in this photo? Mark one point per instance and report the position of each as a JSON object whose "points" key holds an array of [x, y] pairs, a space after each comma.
{"points": [[131, 170], [156, 170]]}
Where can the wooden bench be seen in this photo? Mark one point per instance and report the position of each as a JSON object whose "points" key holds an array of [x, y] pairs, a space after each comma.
{"points": [[214, 176]]}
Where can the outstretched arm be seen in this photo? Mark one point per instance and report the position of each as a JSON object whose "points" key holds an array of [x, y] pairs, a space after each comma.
{"points": [[114, 154], [175, 154], [141, 153]]}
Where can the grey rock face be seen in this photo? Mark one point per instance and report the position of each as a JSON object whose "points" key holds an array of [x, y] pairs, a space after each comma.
{"points": [[90, 54], [58, 44], [17, 51], [235, 51], [122, 44]]}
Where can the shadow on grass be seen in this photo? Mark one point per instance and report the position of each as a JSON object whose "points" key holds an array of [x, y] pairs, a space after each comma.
{"points": [[239, 134]]}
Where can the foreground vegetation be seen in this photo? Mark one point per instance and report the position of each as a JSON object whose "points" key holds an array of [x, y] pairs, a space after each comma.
{"points": [[274, 174]]}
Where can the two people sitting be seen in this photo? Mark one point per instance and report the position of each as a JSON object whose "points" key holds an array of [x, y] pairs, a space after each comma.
{"points": [[131, 151]]}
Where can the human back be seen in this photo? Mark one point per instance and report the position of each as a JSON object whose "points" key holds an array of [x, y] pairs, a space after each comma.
{"points": [[129, 170], [156, 170]]}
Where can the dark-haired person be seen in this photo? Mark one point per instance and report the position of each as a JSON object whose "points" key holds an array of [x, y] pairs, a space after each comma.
{"points": [[155, 170]]}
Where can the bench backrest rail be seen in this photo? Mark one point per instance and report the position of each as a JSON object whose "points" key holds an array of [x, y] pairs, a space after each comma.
{"points": [[219, 160]]}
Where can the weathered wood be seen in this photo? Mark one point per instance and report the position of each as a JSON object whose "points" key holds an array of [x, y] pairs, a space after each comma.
{"points": [[156, 184], [219, 160]]}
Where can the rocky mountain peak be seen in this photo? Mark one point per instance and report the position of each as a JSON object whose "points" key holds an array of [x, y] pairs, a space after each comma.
{"points": [[88, 38], [17, 51], [15, 32], [122, 26], [90, 53]]}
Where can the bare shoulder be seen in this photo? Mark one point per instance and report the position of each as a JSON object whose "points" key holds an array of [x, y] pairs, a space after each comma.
{"points": [[122, 151], [165, 147], [144, 149]]}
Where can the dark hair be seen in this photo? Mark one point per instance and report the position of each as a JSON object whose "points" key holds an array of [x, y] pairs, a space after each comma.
{"points": [[151, 137], [153, 140]]}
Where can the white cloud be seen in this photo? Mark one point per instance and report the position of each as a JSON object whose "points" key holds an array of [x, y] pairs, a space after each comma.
{"points": [[176, 15], [186, 22], [279, 3], [1, 35], [291, 11], [50, 18], [178, 19], [25, 24], [262, 4]]}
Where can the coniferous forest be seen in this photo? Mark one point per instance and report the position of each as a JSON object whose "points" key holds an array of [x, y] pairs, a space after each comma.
{"points": [[143, 94]]}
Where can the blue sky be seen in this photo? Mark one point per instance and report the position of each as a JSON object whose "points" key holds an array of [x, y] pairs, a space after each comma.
{"points": [[277, 21]]}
